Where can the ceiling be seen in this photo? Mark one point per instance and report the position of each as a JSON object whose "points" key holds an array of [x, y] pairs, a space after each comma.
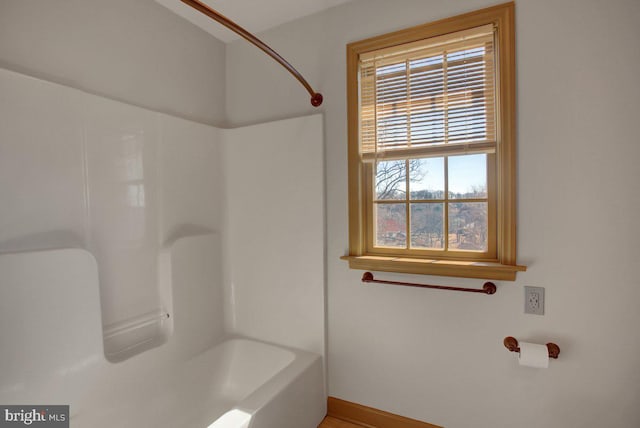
{"points": [[254, 15]]}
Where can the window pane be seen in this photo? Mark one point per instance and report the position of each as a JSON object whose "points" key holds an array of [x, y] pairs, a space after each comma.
{"points": [[468, 226], [391, 180], [391, 105], [468, 177], [466, 85], [391, 220], [426, 89], [427, 226], [427, 126], [426, 178]]}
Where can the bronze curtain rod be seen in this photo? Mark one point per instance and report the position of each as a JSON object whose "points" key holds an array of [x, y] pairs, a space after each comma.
{"points": [[316, 97]]}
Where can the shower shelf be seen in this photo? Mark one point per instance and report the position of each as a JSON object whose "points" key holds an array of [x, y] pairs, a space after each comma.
{"points": [[135, 323], [135, 335]]}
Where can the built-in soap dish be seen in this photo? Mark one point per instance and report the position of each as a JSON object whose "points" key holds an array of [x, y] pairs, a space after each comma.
{"points": [[124, 339]]}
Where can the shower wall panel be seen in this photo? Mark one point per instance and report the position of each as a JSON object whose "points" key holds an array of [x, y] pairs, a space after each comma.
{"points": [[129, 185], [275, 231]]}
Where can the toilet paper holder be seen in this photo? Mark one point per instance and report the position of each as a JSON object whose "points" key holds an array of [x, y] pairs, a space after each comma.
{"points": [[511, 343]]}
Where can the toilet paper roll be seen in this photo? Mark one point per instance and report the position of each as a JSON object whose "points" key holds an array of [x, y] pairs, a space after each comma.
{"points": [[533, 355]]}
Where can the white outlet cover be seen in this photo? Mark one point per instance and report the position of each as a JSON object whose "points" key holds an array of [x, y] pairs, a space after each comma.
{"points": [[534, 300]]}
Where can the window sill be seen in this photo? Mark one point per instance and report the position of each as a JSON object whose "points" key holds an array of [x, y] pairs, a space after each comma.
{"points": [[457, 268]]}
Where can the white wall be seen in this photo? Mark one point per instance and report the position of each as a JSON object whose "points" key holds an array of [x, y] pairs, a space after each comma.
{"points": [[438, 356], [132, 51], [274, 234]]}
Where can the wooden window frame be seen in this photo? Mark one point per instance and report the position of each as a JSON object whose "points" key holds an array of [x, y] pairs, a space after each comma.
{"points": [[501, 267]]}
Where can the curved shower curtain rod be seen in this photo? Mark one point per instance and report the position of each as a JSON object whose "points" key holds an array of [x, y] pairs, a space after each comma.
{"points": [[316, 97]]}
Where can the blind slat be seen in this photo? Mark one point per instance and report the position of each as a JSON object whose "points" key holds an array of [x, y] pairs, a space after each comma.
{"points": [[429, 97]]}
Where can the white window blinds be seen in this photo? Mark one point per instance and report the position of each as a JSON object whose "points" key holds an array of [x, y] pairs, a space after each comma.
{"points": [[429, 97]]}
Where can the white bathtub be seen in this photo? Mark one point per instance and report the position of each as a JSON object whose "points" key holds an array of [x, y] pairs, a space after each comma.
{"points": [[54, 356], [263, 386], [240, 383]]}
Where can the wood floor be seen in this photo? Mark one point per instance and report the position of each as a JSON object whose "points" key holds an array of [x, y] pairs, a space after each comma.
{"points": [[330, 422]]}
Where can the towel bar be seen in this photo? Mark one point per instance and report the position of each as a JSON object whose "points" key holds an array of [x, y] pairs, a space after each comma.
{"points": [[487, 288]]}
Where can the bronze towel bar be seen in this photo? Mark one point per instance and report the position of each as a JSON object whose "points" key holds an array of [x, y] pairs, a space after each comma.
{"points": [[487, 288], [316, 97]]}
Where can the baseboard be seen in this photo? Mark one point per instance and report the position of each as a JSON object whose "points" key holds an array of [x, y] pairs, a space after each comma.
{"points": [[369, 417]]}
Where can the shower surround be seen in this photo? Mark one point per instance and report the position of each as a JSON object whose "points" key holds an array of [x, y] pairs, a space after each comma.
{"points": [[198, 235]]}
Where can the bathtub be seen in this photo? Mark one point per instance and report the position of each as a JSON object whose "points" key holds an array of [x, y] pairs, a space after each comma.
{"points": [[53, 354], [262, 386], [239, 383]]}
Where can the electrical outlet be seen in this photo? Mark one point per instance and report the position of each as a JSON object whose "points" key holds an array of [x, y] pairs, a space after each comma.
{"points": [[534, 300]]}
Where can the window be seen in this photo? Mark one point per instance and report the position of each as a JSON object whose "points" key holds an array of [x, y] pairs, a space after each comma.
{"points": [[432, 148]]}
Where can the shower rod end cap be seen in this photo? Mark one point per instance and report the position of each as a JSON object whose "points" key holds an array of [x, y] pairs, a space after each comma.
{"points": [[316, 99]]}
